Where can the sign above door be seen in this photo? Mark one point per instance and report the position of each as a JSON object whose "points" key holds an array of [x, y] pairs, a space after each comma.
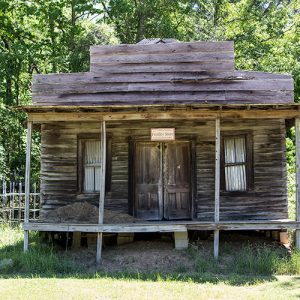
{"points": [[162, 134]]}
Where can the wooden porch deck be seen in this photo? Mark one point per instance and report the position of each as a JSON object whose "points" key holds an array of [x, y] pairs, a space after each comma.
{"points": [[164, 226]]}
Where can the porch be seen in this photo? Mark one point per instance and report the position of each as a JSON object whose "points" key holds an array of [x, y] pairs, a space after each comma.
{"points": [[216, 115]]}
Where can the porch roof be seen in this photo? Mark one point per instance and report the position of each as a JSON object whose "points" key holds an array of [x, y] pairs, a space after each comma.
{"points": [[40, 114]]}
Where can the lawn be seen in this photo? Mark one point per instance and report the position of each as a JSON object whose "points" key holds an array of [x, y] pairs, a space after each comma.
{"points": [[111, 288], [251, 272]]}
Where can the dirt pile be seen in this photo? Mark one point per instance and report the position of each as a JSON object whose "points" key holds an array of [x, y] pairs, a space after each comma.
{"points": [[84, 212]]}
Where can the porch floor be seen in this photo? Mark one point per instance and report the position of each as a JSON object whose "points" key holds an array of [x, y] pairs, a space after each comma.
{"points": [[165, 226]]}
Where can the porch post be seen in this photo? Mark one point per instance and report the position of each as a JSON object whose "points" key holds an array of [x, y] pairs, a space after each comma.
{"points": [[102, 190], [217, 187], [297, 131], [27, 182]]}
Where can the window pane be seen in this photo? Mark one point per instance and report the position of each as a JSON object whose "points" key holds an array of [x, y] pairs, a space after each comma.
{"points": [[92, 152], [235, 178], [240, 149], [92, 169], [97, 178], [235, 150], [229, 150], [235, 163], [89, 179]]}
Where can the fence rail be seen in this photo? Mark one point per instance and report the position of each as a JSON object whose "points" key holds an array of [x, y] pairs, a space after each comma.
{"points": [[12, 202]]}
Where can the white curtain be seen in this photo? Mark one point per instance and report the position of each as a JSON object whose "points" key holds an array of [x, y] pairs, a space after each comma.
{"points": [[92, 166], [235, 163]]}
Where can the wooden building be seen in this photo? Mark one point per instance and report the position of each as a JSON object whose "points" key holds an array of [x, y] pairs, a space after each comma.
{"points": [[169, 133]]}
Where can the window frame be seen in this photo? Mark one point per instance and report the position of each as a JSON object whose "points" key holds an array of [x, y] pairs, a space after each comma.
{"points": [[248, 135], [81, 139]]}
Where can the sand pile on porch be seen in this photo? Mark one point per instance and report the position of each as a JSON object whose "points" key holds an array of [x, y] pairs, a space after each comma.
{"points": [[85, 213]]}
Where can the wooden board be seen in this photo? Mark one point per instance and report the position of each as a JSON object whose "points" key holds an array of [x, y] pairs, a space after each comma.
{"points": [[147, 182], [162, 180], [268, 199], [127, 49], [163, 226], [190, 90], [160, 115], [177, 180], [145, 74]]}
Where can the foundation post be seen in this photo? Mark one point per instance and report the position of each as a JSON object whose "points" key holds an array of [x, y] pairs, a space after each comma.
{"points": [[297, 131], [217, 186], [27, 183], [102, 191]]}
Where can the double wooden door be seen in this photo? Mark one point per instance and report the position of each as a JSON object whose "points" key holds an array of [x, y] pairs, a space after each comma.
{"points": [[162, 180]]}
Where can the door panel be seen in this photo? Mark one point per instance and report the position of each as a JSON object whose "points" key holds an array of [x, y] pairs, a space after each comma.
{"points": [[148, 181], [162, 180], [177, 180]]}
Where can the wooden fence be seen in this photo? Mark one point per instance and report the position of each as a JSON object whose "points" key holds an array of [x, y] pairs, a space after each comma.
{"points": [[12, 202]]}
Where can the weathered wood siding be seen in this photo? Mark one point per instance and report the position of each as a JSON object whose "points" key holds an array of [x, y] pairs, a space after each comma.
{"points": [[268, 200], [171, 57], [171, 73], [180, 87]]}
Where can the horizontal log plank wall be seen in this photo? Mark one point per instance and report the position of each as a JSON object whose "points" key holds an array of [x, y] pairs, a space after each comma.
{"points": [[172, 73], [239, 87], [268, 200]]}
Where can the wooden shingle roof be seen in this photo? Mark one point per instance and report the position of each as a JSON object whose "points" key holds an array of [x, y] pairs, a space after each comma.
{"points": [[162, 73]]}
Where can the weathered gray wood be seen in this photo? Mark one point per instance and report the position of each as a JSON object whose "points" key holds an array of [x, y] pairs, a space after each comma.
{"points": [[165, 73], [217, 185], [163, 115], [163, 58], [216, 243], [99, 247], [104, 227], [267, 201], [41, 80], [103, 171], [161, 48], [165, 226], [165, 98], [297, 131], [102, 190], [217, 169], [27, 182], [200, 86]]}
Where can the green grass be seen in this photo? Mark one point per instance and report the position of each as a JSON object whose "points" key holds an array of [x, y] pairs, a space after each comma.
{"points": [[41, 259], [254, 259], [125, 289], [250, 272], [249, 259]]}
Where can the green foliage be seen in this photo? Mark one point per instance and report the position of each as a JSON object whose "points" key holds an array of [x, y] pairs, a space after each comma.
{"points": [[256, 259], [259, 260], [135, 20], [54, 36], [13, 145], [39, 37]]}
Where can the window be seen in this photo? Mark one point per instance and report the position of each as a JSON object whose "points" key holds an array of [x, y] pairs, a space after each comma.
{"points": [[89, 164], [236, 163]]}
